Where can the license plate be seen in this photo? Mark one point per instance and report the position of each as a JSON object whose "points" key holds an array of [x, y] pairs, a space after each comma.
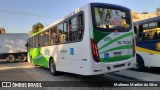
{"points": [[117, 54]]}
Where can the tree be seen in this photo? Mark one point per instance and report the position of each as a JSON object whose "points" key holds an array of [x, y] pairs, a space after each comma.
{"points": [[37, 27], [33, 27], [158, 11], [40, 25]]}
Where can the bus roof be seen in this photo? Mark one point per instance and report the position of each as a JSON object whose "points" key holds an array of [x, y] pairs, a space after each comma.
{"points": [[155, 19], [74, 12], [63, 18], [57, 21], [108, 4]]}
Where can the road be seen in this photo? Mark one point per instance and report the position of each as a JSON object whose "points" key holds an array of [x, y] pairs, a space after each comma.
{"points": [[24, 71]]}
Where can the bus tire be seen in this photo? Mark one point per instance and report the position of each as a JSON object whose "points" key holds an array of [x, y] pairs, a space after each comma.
{"points": [[140, 63], [22, 58], [10, 58], [52, 67]]}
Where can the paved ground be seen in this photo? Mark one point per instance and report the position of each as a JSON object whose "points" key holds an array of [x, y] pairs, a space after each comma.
{"points": [[24, 71]]}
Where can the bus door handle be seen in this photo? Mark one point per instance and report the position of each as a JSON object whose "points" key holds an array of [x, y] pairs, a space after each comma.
{"points": [[150, 53]]}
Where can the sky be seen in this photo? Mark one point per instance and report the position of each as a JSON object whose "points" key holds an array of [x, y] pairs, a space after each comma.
{"points": [[18, 16]]}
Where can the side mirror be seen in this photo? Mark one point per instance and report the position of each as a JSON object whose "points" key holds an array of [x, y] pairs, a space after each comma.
{"points": [[26, 45]]}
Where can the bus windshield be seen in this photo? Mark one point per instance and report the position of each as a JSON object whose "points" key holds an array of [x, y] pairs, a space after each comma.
{"points": [[106, 18]]}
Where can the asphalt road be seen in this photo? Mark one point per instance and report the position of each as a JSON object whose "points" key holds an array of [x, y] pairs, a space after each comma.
{"points": [[24, 71]]}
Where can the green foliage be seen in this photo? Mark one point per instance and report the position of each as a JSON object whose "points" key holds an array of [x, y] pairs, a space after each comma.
{"points": [[40, 25], [158, 11], [37, 27]]}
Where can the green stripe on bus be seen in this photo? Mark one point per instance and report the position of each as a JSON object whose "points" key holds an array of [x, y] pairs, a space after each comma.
{"points": [[117, 58], [34, 34], [118, 48], [43, 61], [34, 52], [116, 39], [98, 35]]}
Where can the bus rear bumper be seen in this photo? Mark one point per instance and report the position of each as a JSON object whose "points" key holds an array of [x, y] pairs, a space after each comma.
{"points": [[117, 66], [103, 68]]}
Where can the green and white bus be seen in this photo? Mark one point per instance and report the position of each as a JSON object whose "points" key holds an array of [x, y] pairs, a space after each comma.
{"points": [[95, 39]]}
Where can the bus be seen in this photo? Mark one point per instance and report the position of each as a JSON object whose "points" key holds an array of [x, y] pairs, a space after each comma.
{"points": [[95, 39], [148, 42]]}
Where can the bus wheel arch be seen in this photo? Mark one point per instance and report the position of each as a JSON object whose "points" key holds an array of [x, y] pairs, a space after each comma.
{"points": [[140, 63], [52, 67]]}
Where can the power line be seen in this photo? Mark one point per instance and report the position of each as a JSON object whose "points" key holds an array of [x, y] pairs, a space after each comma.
{"points": [[27, 14]]}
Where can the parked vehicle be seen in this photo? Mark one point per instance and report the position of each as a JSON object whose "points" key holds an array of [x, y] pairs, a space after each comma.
{"points": [[148, 42], [12, 46]]}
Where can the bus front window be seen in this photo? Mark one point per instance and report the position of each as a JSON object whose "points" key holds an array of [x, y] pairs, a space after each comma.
{"points": [[106, 18]]}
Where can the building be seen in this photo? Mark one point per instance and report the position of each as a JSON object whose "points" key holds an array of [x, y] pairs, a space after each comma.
{"points": [[141, 16], [2, 31]]}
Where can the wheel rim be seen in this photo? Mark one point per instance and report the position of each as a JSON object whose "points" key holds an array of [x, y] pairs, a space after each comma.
{"points": [[23, 58], [10, 59]]}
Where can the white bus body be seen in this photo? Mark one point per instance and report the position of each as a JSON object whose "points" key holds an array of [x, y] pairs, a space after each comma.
{"points": [[77, 57]]}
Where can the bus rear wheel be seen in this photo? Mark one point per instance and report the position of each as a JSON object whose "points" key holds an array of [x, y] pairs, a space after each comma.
{"points": [[52, 68], [10, 58]]}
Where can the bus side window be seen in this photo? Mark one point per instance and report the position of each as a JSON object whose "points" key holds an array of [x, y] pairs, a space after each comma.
{"points": [[70, 31], [36, 41], [146, 36], [81, 26], [46, 38], [76, 28], [65, 32], [41, 39], [60, 34], [155, 36], [54, 36], [141, 33]]}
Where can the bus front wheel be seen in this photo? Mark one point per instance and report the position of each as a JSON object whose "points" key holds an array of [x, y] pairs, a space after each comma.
{"points": [[140, 64], [52, 68]]}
